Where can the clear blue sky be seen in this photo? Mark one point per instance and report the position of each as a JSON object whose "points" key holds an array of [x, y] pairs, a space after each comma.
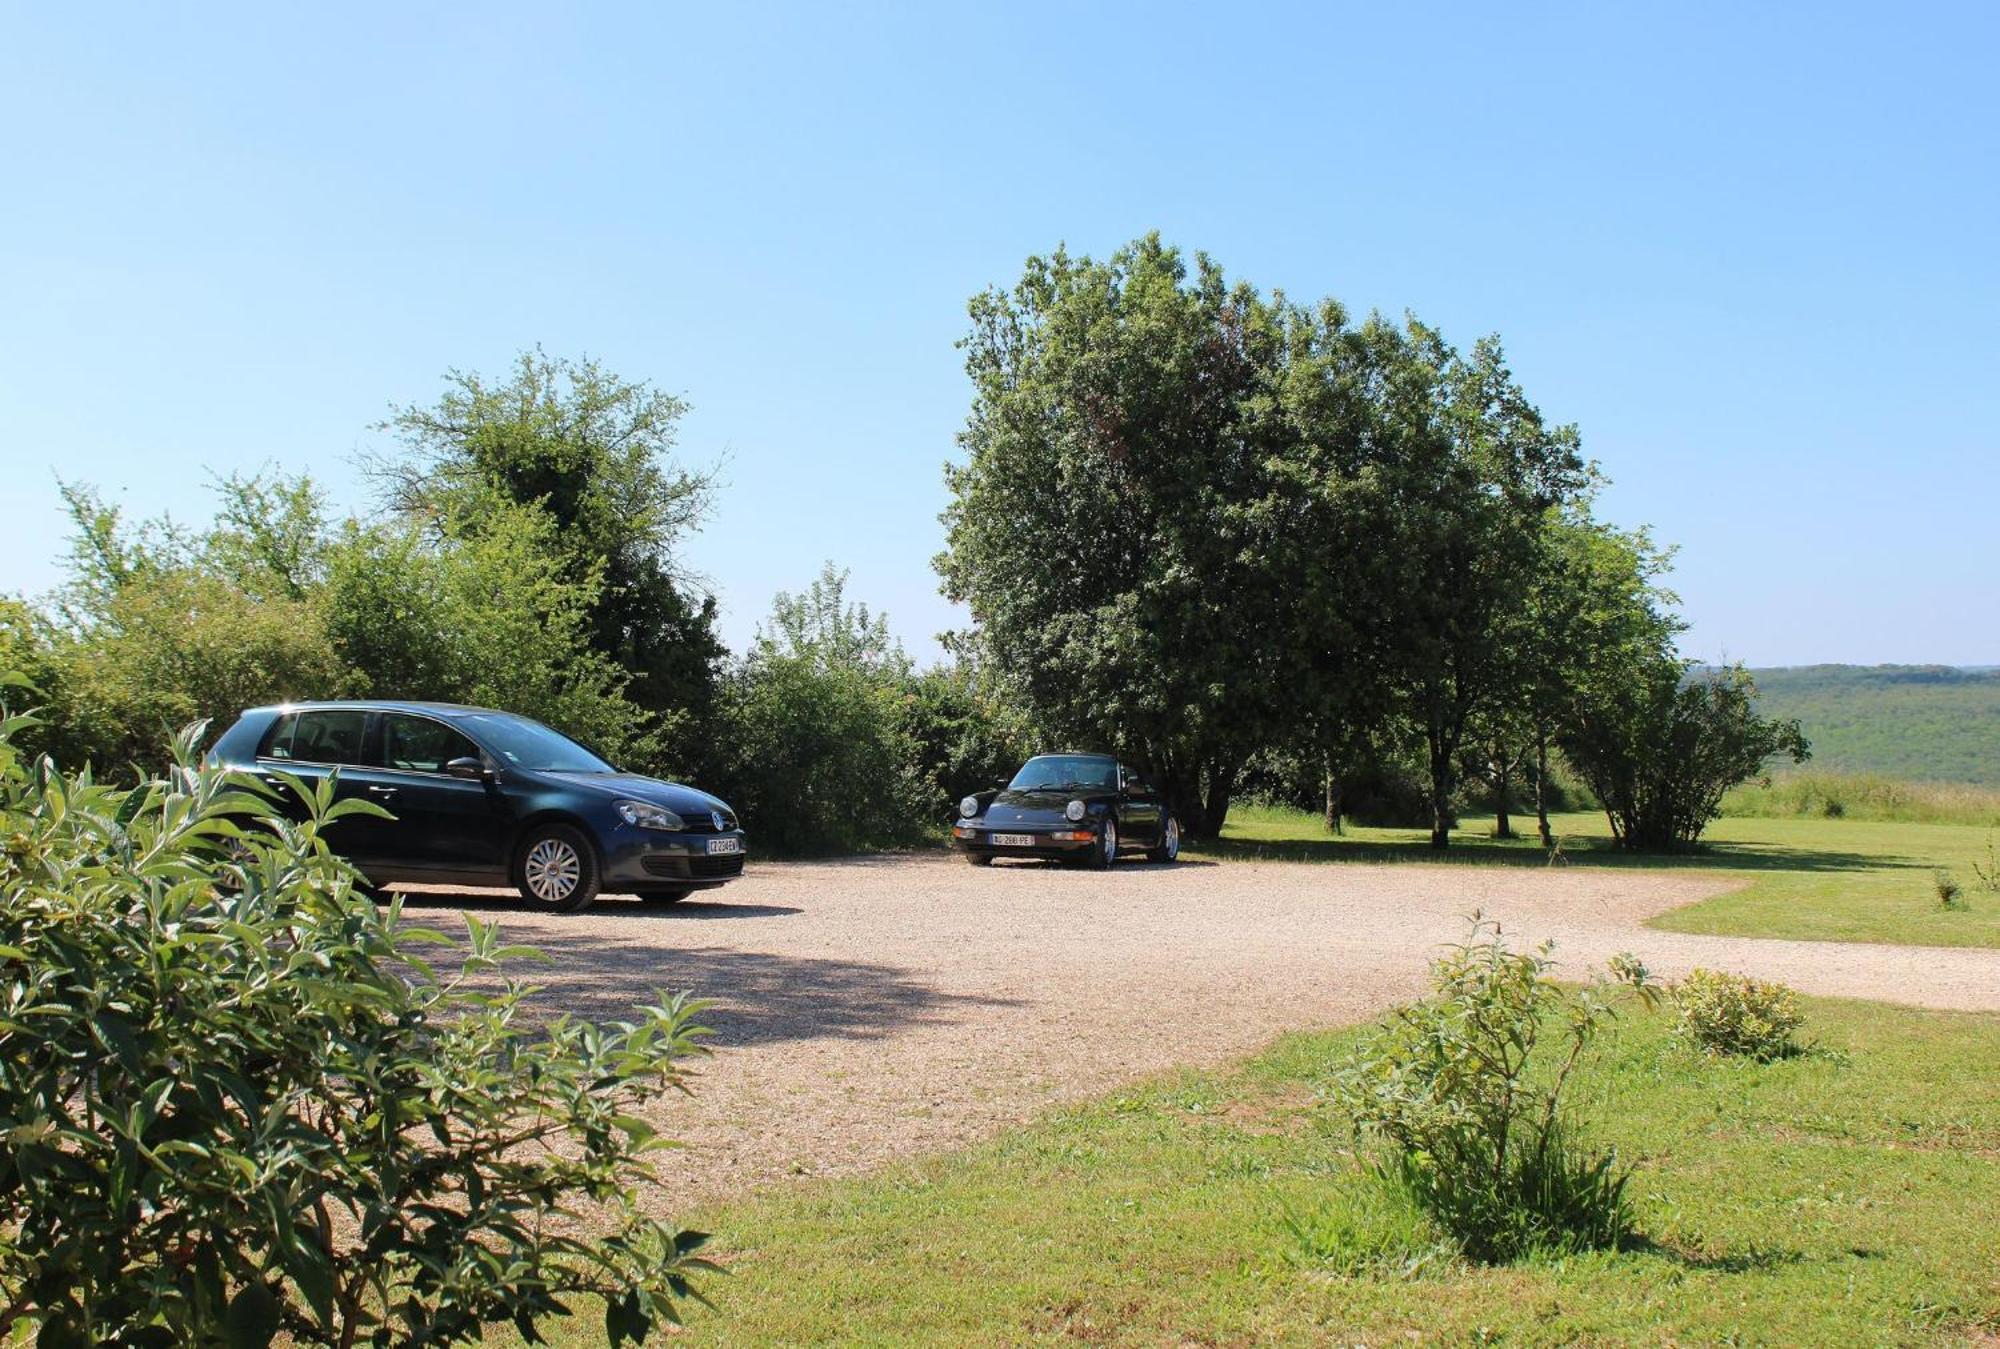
{"points": [[1749, 248]]}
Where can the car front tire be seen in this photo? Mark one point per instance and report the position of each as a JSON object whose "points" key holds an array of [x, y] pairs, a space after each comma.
{"points": [[1106, 850], [556, 868]]}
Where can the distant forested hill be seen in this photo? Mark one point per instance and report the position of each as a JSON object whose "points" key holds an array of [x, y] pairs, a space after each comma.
{"points": [[1929, 722]]}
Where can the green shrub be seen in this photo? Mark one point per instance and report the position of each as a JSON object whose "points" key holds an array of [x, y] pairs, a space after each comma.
{"points": [[239, 1104], [815, 738], [1732, 1014], [1950, 894], [1466, 1087], [1662, 747]]}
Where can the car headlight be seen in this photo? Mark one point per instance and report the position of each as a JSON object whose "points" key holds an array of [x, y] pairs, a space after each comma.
{"points": [[969, 807], [1074, 810], [649, 816]]}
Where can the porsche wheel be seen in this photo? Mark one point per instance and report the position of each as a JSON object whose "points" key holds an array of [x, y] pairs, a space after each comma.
{"points": [[1106, 851], [1170, 843]]}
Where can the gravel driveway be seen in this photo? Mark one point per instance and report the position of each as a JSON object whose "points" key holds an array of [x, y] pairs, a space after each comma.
{"points": [[877, 1007]]}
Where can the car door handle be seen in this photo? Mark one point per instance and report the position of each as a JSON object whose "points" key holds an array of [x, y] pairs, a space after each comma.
{"points": [[381, 791]]}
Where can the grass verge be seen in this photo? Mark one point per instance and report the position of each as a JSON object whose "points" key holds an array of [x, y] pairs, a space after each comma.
{"points": [[1814, 879], [1842, 1196]]}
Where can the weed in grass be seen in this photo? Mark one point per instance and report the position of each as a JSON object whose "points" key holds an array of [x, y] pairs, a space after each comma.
{"points": [[1988, 872], [1950, 894], [1365, 1229]]}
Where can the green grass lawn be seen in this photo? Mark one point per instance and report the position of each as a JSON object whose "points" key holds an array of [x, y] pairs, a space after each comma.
{"points": [[1811, 878], [1842, 1197]]}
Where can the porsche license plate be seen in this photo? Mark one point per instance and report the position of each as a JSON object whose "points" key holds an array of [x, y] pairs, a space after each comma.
{"points": [[1012, 840], [722, 845]]}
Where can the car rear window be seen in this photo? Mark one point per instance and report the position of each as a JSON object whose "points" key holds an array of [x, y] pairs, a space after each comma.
{"points": [[321, 736]]}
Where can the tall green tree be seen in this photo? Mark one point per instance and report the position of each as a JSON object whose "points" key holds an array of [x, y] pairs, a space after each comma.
{"points": [[596, 453], [1470, 474], [1115, 523]]}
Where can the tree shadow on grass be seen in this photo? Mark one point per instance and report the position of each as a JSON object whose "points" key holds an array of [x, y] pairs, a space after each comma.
{"points": [[760, 997], [1720, 856]]}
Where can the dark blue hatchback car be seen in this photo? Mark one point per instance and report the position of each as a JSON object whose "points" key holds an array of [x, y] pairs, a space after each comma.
{"points": [[490, 798]]}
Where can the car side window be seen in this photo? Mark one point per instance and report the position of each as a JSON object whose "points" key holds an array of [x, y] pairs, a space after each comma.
{"points": [[278, 740], [420, 745], [1134, 784], [325, 736]]}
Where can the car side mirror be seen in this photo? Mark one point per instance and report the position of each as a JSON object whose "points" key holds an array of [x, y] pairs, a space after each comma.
{"points": [[469, 768]]}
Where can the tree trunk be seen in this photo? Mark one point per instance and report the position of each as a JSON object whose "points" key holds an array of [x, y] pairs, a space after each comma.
{"points": [[1440, 807], [1503, 783], [1332, 800], [1215, 809], [1542, 788]]}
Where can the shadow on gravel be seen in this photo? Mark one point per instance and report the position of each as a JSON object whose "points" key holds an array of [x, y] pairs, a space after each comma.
{"points": [[760, 998], [423, 902]]}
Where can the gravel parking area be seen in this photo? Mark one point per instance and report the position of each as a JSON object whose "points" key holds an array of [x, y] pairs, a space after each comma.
{"points": [[876, 1007]]}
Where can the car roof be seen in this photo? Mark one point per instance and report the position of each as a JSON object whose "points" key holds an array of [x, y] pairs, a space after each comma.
{"points": [[447, 711], [1075, 754]]}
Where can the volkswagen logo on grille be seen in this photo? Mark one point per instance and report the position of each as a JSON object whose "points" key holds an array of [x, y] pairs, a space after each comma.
{"points": [[716, 815]]}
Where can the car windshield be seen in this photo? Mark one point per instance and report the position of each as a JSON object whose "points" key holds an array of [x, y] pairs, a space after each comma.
{"points": [[1065, 772], [532, 746]]}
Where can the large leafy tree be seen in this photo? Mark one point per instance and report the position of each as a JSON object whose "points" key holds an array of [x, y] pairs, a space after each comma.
{"points": [[1596, 614], [1470, 476], [595, 453], [1115, 525]]}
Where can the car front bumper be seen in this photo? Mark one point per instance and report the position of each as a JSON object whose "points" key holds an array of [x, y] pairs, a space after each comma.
{"points": [[1068, 842], [641, 858]]}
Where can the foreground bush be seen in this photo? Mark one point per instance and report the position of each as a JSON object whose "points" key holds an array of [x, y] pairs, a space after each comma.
{"points": [[1732, 1014], [237, 1104], [1466, 1087]]}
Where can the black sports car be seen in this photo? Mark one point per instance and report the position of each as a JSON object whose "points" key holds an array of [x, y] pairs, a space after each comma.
{"points": [[1084, 808]]}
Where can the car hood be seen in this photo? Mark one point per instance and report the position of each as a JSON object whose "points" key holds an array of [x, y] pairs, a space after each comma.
{"points": [[1011, 807], [677, 797]]}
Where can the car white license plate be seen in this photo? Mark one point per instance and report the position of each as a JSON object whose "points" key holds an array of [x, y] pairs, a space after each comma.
{"points": [[722, 845], [1012, 840]]}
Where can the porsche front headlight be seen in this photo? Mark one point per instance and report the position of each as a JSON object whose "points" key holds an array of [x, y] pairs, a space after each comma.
{"points": [[969, 807], [1074, 810], [649, 816]]}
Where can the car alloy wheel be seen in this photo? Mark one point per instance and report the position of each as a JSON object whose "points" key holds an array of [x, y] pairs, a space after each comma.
{"points": [[556, 866], [1170, 841], [552, 870], [1106, 851]]}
